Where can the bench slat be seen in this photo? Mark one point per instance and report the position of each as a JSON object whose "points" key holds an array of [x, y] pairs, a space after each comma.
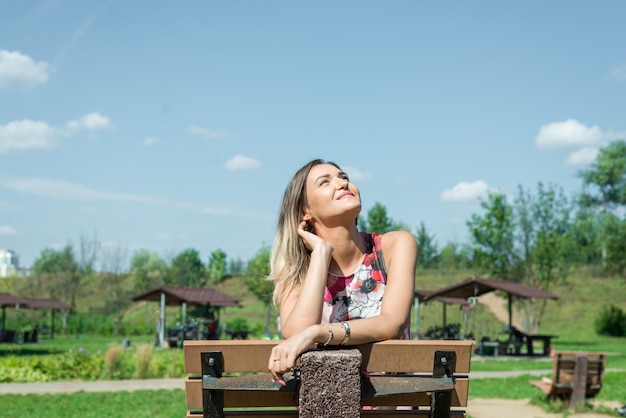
{"points": [[376, 385], [389, 356], [193, 389]]}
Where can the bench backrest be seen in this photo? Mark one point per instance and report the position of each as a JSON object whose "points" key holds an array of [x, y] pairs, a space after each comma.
{"points": [[248, 357], [563, 371]]}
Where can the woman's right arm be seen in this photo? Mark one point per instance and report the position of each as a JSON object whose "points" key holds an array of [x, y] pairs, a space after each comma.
{"points": [[303, 306]]}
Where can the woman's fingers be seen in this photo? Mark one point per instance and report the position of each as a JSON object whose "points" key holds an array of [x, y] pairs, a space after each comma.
{"points": [[279, 362]]}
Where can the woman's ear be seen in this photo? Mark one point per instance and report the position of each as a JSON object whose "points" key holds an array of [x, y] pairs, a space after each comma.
{"points": [[306, 216]]}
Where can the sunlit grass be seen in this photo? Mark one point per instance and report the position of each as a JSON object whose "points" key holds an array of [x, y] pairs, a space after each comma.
{"points": [[141, 403]]}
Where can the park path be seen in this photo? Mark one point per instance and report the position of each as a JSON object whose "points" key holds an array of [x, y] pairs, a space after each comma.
{"points": [[477, 408]]}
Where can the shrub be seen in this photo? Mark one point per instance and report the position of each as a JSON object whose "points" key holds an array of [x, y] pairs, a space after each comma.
{"points": [[168, 364], [143, 356], [611, 321], [113, 363]]}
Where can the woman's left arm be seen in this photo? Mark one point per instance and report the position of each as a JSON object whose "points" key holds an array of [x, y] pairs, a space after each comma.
{"points": [[400, 252]]}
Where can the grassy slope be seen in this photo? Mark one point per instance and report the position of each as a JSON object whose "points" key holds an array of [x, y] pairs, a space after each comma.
{"points": [[571, 317]]}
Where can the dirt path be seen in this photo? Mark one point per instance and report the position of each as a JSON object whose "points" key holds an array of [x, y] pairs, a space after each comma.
{"points": [[500, 308], [521, 408]]}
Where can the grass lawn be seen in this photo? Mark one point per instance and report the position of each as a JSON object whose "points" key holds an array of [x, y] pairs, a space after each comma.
{"points": [[141, 403]]}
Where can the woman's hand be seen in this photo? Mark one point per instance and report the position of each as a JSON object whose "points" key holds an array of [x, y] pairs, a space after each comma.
{"points": [[310, 239], [284, 355]]}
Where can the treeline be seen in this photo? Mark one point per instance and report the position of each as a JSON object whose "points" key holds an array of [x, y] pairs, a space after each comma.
{"points": [[534, 237]]}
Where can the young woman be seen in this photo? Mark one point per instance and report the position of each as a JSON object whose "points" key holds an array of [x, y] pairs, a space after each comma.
{"points": [[331, 282]]}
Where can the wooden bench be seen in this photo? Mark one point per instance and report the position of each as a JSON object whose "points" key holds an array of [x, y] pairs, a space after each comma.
{"points": [[575, 377], [230, 378]]}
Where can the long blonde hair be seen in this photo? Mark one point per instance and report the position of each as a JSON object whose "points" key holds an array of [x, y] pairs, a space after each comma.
{"points": [[289, 258]]}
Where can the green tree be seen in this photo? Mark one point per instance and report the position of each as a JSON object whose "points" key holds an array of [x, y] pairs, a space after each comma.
{"points": [[147, 270], [378, 221], [428, 253], [493, 237], [605, 181], [543, 227], [187, 269], [114, 275], [614, 232], [258, 271], [235, 267], [604, 189], [58, 272], [585, 234], [217, 266]]}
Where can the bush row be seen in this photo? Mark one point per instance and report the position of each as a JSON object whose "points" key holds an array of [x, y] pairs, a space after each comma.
{"points": [[141, 362]]}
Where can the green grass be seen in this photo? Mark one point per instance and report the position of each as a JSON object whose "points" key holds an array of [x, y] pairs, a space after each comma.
{"points": [[63, 343], [141, 403]]}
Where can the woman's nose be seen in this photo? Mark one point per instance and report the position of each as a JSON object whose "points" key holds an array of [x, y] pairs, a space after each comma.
{"points": [[342, 183]]}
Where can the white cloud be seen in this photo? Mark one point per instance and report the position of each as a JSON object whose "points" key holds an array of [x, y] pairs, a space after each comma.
{"points": [[7, 230], [70, 191], [584, 155], [568, 134], [90, 122], [466, 192], [241, 162], [65, 190], [216, 211], [208, 133], [356, 175], [20, 71], [26, 134], [151, 140], [619, 73]]}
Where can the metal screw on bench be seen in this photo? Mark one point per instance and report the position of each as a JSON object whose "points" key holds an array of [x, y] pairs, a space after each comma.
{"points": [[212, 364], [444, 361], [443, 368]]}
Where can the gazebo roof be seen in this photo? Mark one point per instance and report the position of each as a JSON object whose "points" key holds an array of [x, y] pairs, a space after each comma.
{"points": [[422, 297], [476, 286], [44, 304], [7, 299], [191, 295]]}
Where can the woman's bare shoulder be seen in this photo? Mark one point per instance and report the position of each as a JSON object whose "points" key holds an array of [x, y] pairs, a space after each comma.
{"points": [[393, 238]]}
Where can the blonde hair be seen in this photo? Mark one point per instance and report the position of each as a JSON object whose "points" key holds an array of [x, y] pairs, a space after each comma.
{"points": [[289, 258]]}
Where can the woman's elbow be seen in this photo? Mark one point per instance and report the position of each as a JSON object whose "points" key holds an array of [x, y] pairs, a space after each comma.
{"points": [[394, 330]]}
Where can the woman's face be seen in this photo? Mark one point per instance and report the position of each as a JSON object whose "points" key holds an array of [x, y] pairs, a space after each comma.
{"points": [[330, 194]]}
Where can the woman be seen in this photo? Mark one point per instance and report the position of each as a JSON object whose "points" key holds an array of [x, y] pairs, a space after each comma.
{"points": [[330, 278]]}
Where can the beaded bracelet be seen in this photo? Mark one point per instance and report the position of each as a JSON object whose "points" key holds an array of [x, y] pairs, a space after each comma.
{"points": [[330, 336], [346, 337]]}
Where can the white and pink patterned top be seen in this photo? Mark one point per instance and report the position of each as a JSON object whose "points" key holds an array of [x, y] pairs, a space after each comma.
{"points": [[360, 294]]}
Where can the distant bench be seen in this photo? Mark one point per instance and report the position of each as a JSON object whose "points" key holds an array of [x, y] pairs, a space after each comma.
{"points": [[575, 377], [230, 378], [545, 339]]}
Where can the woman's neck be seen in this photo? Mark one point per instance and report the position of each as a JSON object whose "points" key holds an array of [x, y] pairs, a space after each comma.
{"points": [[348, 251]]}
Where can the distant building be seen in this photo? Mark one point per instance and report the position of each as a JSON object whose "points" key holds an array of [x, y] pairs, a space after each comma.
{"points": [[9, 263]]}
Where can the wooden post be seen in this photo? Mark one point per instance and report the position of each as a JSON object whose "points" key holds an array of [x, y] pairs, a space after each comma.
{"points": [[579, 387]]}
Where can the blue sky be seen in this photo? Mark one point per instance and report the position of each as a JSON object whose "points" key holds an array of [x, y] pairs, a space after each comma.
{"points": [[172, 125]]}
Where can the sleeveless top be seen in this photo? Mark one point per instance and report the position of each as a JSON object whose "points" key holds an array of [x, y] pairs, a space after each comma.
{"points": [[360, 294]]}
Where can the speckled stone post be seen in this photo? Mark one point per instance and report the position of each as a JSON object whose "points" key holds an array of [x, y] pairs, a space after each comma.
{"points": [[330, 384]]}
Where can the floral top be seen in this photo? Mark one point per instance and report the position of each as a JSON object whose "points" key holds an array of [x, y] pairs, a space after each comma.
{"points": [[359, 295]]}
